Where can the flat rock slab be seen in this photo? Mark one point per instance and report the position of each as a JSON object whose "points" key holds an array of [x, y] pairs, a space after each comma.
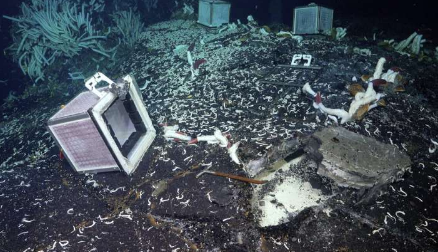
{"points": [[353, 160]]}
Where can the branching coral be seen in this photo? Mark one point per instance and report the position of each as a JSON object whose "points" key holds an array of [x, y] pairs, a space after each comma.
{"points": [[129, 25], [50, 29], [150, 4]]}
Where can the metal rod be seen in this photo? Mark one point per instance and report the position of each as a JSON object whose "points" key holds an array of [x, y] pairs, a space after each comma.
{"points": [[236, 177], [301, 67], [231, 176], [281, 83]]}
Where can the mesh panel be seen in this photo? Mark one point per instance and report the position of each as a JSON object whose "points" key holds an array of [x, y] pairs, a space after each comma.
{"points": [[306, 20], [326, 19], [80, 104], [221, 13], [204, 13], [83, 145], [213, 13]]}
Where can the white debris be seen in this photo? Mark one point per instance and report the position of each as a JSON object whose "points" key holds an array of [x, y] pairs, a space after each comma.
{"points": [[362, 52], [171, 133], [432, 148], [340, 33], [233, 153], [24, 220], [188, 9], [63, 243], [223, 141]]}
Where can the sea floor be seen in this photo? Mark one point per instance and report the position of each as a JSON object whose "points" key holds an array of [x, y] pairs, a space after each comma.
{"points": [[46, 206]]}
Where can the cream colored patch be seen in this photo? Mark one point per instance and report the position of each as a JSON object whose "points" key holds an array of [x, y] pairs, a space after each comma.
{"points": [[287, 199]]}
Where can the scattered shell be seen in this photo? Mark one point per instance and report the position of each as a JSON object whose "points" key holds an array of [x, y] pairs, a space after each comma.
{"points": [[355, 88], [396, 69], [399, 88], [152, 220], [382, 103], [267, 29], [244, 38], [284, 35], [160, 187], [360, 113], [365, 77], [400, 79], [379, 82]]}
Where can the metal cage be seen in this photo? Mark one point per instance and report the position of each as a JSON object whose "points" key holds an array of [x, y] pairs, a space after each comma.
{"points": [[213, 13], [312, 19], [106, 129]]}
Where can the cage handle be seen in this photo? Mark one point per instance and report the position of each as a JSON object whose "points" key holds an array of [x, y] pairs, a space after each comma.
{"points": [[91, 83]]}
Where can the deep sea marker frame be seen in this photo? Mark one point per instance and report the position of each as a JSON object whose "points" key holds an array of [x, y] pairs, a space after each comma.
{"points": [[105, 129], [213, 13], [312, 19]]}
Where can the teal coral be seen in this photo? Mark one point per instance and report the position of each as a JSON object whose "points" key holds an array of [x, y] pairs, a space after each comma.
{"points": [[50, 29], [129, 25]]}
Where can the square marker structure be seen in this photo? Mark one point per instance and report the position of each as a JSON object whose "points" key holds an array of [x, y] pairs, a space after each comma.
{"points": [[213, 13], [312, 19]]}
